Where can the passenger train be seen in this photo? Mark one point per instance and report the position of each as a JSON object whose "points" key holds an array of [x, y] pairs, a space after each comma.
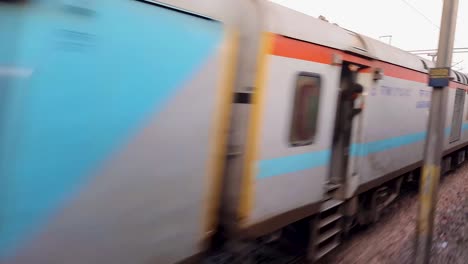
{"points": [[139, 132]]}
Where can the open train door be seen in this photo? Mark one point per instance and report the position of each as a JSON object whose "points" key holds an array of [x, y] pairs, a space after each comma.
{"points": [[356, 77], [348, 125], [344, 169]]}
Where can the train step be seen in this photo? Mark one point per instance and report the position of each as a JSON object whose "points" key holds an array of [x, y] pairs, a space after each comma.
{"points": [[330, 204], [330, 190], [332, 186], [327, 229], [324, 251], [328, 220], [327, 235]]}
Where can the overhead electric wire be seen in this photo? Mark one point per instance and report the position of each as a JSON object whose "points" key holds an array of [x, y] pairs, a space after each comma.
{"points": [[421, 14], [415, 9], [424, 51]]}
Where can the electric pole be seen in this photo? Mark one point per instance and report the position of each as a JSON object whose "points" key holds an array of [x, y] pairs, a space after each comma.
{"points": [[439, 79]]}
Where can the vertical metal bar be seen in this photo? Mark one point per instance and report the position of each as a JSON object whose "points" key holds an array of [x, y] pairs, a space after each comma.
{"points": [[435, 138]]}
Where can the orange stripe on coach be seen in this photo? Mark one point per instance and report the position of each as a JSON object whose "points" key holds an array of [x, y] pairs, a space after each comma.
{"points": [[298, 49]]}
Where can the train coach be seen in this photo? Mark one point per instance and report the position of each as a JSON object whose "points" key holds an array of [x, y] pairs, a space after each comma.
{"points": [[142, 131]]}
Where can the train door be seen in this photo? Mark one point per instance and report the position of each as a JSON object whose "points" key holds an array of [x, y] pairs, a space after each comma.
{"points": [[349, 92], [457, 117]]}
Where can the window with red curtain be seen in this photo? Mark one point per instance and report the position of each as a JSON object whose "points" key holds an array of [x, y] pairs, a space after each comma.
{"points": [[305, 111]]}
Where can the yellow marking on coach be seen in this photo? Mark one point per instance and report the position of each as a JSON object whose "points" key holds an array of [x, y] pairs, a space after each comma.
{"points": [[216, 161], [251, 150]]}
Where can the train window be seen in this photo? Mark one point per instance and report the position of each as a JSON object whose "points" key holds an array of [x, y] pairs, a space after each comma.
{"points": [[305, 109]]}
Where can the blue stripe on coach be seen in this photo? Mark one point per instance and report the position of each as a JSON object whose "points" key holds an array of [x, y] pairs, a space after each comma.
{"points": [[289, 164], [364, 149]]}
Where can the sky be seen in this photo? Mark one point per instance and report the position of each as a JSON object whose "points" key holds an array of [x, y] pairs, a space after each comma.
{"points": [[413, 24]]}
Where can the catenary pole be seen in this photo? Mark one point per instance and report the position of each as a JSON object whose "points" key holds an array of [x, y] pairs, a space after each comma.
{"points": [[439, 80]]}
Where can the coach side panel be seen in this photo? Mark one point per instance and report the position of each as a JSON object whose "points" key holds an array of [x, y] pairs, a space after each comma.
{"points": [[395, 124], [289, 174], [107, 139]]}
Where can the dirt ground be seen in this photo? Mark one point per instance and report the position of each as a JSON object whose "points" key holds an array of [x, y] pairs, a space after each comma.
{"points": [[391, 240]]}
